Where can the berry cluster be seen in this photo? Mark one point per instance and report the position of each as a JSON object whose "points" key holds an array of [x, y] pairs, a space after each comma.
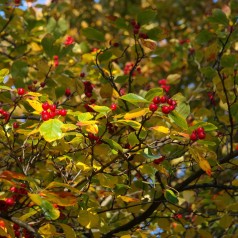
{"points": [[166, 109], [56, 60], [136, 29], [5, 114], [19, 232], [198, 134], [94, 138], [69, 40], [113, 106], [163, 84], [50, 111], [88, 89], [159, 160], [128, 67]]}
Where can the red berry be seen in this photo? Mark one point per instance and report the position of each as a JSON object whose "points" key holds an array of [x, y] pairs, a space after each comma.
{"points": [[170, 101], [166, 88], [67, 92], [45, 106], [52, 107], [200, 130], [15, 125], [35, 81], [45, 117], [165, 109], [82, 75], [137, 26], [116, 44], [193, 136], [91, 136], [171, 107], [143, 35], [42, 84], [21, 91], [113, 106], [156, 100], [52, 114], [88, 94], [153, 107], [162, 82], [13, 189], [10, 201], [159, 160], [1, 111], [136, 31], [93, 100], [201, 135], [163, 99], [62, 112], [133, 22]]}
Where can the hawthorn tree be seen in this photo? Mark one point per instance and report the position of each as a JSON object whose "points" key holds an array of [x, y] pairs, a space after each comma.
{"points": [[118, 119]]}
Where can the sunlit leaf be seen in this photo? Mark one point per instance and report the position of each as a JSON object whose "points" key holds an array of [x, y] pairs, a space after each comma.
{"points": [[88, 219], [170, 196], [161, 129], [131, 97], [3, 74], [136, 113], [128, 199], [68, 231], [178, 119], [36, 105], [51, 130]]}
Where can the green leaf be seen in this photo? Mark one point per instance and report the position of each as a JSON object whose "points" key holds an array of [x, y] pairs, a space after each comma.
{"points": [[3, 74], [105, 56], [206, 142], [93, 34], [204, 37], [101, 109], [50, 212], [170, 196], [19, 69], [48, 45], [153, 92], [113, 144], [121, 79], [134, 124], [5, 87], [131, 97], [183, 109], [145, 16], [173, 78], [178, 119], [85, 116], [218, 17], [51, 130], [132, 139]]}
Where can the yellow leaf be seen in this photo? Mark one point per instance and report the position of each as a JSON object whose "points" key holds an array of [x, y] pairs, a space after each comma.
{"points": [[162, 129], [68, 231], [48, 230], [83, 166], [151, 44], [128, 199], [27, 132], [86, 123], [126, 236], [205, 166], [35, 47], [136, 113], [68, 127], [36, 105], [88, 58], [34, 94], [92, 129], [88, 219]]}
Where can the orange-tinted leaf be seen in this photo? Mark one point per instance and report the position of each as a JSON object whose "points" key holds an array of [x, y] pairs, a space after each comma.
{"points": [[205, 166], [149, 43], [60, 198], [12, 175]]}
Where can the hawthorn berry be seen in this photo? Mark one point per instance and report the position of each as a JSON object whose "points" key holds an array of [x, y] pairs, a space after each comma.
{"points": [[201, 135], [20, 91], [156, 100], [45, 117], [165, 109], [163, 99], [113, 106], [171, 107], [10, 201], [52, 107], [62, 112], [42, 84], [88, 94], [82, 75], [45, 106], [67, 92], [153, 107], [193, 136], [159, 160], [200, 130], [15, 125]]}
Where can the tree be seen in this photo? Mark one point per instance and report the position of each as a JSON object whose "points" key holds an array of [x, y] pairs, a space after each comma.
{"points": [[118, 119]]}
